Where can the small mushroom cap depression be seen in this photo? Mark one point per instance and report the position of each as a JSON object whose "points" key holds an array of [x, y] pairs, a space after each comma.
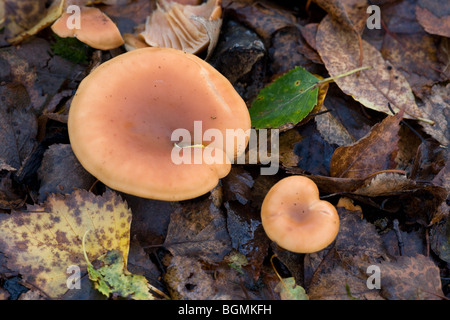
{"points": [[296, 219], [124, 113]]}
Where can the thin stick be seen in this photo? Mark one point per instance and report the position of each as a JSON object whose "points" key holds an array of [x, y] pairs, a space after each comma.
{"points": [[399, 236]]}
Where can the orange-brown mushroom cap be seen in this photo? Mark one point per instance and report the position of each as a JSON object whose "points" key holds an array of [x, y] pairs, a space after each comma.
{"points": [[294, 217], [123, 115], [96, 29]]}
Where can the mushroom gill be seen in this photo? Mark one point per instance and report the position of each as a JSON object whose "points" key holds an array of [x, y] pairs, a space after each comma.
{"points": [[183, 27]]}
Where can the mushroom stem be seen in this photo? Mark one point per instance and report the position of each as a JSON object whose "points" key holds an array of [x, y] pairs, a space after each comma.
{"points": [[197, 145]]}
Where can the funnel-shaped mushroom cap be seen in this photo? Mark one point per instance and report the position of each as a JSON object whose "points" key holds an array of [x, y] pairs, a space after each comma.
{"points": [[174, 25], [123, 116], [95, 28], [296, 219]]}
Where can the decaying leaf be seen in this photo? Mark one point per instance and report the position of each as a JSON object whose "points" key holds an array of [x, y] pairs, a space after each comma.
{"points": [[437, 107], [332, 130], [186, 279], [289, 290], [409, 48], [61, 172], [261, 16], [9, 199], [113, 280], [440, 237], [434, 16], [350, 13], [18, 126], [198, 229], [411, 278], [358, 245], [374, 88], [41, 242], [375, 152], [288, 140]]}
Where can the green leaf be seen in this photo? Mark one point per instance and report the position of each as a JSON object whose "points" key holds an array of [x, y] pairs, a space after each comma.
{"points": [[112, 279], [287, 100], [289, 290]]}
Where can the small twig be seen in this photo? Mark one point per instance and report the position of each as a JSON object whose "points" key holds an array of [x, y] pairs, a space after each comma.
{"points": [[319, 113], [399, 236]]}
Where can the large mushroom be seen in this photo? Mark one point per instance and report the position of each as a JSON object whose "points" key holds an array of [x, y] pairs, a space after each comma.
{"points": [[123, 116], [294, 217]]}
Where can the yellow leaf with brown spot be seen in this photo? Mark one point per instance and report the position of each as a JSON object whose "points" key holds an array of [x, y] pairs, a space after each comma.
{"points": [[42, 242]]}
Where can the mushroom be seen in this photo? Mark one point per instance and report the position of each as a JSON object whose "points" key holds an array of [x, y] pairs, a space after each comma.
{"points": [[191, 28], [95, 28], [133, 42], [190, 2], [124, 113], [294, 217]]}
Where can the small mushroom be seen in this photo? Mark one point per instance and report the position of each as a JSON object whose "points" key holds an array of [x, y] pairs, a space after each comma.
{"points": [[294, 217], [124, 113], [133, 42], [191, 28], [95, 29]]}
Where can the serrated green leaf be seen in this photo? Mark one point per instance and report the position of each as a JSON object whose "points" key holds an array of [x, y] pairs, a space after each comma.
{"points": [[287, 100], [289, 290]]}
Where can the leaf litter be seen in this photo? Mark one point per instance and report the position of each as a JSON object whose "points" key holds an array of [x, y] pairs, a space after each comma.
{"points": [[393, 168]]}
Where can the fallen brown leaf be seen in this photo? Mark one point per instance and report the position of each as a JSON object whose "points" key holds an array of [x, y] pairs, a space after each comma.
{"points": [[60, 172], [411, 50], [263, 17], [18, 126], [357, 246], [374, 88], [350, 13], [433, 17], [373, 153], [436, 106], [198, 229], [411, 278]]}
